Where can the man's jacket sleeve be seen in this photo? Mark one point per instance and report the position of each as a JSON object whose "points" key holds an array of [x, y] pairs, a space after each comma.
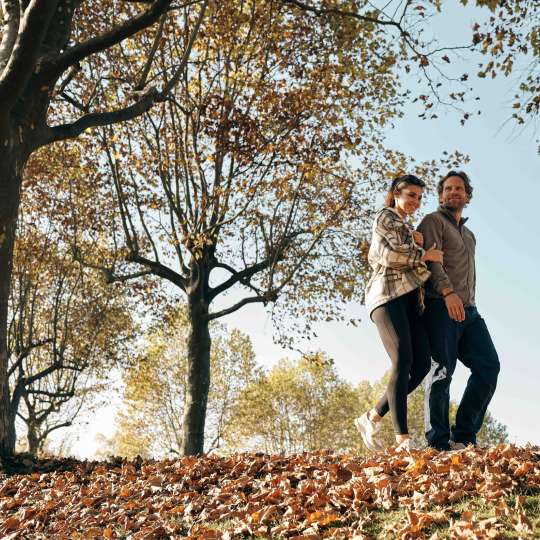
{"points": [[432, 230]]}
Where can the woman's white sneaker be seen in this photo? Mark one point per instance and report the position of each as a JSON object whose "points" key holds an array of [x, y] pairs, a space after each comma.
{"points": [[368, 429], [409, 444]]}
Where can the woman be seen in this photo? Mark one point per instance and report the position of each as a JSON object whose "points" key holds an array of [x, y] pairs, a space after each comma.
{"points": [[394, 298]]}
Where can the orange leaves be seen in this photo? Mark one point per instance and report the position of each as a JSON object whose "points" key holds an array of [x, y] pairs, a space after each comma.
{"points": [[469, 527], [177, 509], [411, 526], [418, 521], [201, 532], [155, 481], [417, 467], [310, 495], [322, 518], [10, 524], [523, 469], [125, 492]]}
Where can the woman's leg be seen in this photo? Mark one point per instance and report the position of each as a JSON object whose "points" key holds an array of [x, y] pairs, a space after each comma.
{"points": [[421, 349], [392, 322], [421, 355]]}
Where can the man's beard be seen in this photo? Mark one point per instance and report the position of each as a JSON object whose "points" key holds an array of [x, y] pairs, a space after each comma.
{"points": [[454, 205]]}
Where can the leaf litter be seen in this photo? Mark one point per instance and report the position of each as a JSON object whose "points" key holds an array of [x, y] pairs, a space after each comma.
{"points": [[303, 496]]}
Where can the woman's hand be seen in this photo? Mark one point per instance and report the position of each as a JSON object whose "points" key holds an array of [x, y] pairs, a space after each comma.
{"points": [[418, 238], [433, 255]]}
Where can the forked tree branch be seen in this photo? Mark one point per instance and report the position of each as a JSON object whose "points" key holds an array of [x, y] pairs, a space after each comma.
{"points": [[249, 300], [144, 104], [24, 54], [242, 277], [341, 12], [92, 120], [55, 67]]}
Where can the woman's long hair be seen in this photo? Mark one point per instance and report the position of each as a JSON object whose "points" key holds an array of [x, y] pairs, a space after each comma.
{"points": [[398, 184]]}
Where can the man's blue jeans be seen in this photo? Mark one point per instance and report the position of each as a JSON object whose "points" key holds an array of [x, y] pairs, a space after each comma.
{"points": [[470, 342]]}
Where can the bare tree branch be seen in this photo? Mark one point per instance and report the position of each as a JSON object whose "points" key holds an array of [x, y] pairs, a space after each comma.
{"points": [[70, 131], [151, 96], [183, 62], [69, 77], [109, 273], [340, 12], [59, 394], [47, 432], [146, 70], [25, 352], [100, 43], [114, 278], [237, 277], [161, 270], [249, 300], [43, 373]]}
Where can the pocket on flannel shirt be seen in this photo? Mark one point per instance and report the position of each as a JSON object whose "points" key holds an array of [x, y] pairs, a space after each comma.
{"points": [[404, 234], [392, 280]]}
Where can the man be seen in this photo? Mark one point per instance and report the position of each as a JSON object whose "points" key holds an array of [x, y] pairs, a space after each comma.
{"points": [[455, 328]]}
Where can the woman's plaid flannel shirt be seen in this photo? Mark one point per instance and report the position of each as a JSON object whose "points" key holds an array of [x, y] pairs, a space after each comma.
{"points": [[396, 261]]}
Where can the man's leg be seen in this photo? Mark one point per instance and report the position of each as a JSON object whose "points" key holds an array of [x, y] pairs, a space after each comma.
{"points": [[443, 335], [477, 352]]}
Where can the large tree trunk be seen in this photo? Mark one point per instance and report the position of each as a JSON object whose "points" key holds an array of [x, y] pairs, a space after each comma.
{"points": [[34, 441], [198, 378], [10, 187]]}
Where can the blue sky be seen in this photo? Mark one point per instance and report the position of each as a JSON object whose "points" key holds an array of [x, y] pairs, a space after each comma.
{"points": [[503, 214]]}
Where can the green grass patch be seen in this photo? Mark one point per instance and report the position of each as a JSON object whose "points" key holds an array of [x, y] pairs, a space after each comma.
{"points": [[377, 522]]}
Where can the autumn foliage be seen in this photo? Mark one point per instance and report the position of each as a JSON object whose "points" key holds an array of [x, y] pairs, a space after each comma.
{"points": [[308, 496]]}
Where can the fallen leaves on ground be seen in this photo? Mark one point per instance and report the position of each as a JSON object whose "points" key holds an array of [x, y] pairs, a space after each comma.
{"points": [[304, 496]]}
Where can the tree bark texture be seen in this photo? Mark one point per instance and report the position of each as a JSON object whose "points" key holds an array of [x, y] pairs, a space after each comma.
{"points": [[10, 187], [198, 377], [33, 440]]}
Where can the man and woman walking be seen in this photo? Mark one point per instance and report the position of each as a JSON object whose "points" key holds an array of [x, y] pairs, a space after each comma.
{"points": [[421, 296]]}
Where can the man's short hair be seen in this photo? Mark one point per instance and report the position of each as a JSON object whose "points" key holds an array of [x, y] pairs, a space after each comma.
{"points": [[460, 174]]}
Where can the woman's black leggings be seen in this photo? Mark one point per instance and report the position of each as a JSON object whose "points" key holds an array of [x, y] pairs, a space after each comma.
{"points": [[403, 334]]}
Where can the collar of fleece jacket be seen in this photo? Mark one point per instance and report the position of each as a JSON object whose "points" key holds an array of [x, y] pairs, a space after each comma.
{"points": [[450, 216]]}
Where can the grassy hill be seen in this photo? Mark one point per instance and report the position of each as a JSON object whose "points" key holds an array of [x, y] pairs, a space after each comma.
{"points": [[473, 493]]}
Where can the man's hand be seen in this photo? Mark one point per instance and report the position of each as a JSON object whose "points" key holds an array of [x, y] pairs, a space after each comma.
{"points": [[455, 308], [418, 238]]}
